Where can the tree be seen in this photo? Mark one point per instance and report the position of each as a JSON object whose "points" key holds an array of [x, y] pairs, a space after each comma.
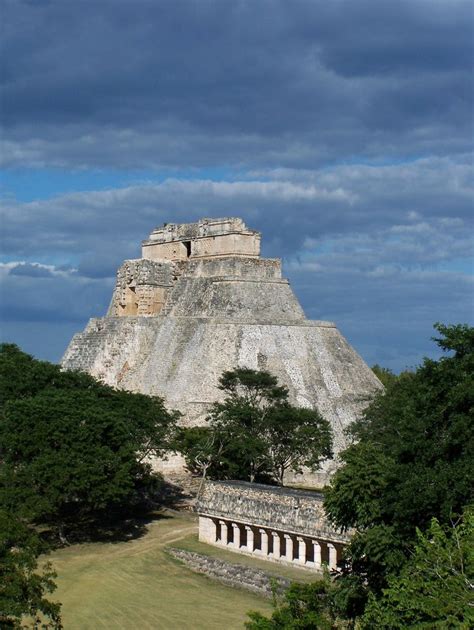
{"points": [[435, 587], [411, 462], [385, 376], [303, 606], [254, 433], [202, 449], [296, 437], [23, 590], [73, 449]]}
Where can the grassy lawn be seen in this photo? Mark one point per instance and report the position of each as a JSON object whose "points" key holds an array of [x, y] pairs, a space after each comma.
{"points": [[191, 543], [135, 585]]}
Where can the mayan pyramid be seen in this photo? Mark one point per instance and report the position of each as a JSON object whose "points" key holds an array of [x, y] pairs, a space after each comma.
{"points": [[201, 301]]}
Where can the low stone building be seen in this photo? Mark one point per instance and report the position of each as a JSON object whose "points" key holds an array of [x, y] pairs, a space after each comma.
{"points": [[273, 523]]}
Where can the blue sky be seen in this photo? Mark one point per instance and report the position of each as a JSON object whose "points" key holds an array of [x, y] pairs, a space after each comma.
{"points": [[342, 130]]}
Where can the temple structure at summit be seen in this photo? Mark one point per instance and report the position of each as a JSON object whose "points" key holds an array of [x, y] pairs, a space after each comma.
{"points": [[200, 301]]}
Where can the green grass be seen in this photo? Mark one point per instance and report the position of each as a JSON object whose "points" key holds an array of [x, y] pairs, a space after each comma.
{"points": [[191, 543], [135, 585]]}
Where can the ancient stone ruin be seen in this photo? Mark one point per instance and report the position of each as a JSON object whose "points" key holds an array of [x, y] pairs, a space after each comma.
{"points": [[201, 301], [278, 524]]}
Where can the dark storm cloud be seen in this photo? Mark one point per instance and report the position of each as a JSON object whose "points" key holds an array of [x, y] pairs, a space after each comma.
{"points": [[249, 83], [388, 316], [50, 295]]}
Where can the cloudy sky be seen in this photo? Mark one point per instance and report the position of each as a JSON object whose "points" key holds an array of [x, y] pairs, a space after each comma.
{"points": [[340, 129]]}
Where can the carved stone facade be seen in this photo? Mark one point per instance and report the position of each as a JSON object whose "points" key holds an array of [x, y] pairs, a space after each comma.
{"points": [[202, 301], [209, 238], [278, 524], [141, 288]]}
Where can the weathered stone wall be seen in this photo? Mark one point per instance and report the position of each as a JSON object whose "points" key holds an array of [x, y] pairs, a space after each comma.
{"points": [[230, 266], [235, 575], [141, 288], [234, 244], [243, 299], [182, 358], [293, 511], [207, 238], [176, 250]]}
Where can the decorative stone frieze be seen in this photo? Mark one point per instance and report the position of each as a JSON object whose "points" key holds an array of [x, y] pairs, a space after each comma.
{"points": [[278, 524]]}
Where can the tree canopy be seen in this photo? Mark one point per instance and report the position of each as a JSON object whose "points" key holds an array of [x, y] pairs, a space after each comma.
{"points": [[434, 588], [72, 448], [385, 376], [411, 462], [302, 607], [255, 433], [24, 590]]}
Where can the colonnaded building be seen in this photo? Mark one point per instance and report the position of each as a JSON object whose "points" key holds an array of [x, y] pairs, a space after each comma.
{"points": [[272, 523], [200, 301]]}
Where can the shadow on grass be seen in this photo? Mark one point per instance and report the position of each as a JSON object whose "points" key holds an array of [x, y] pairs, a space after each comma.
{"points": [[125, 529], [174, 497], [121, 524]]}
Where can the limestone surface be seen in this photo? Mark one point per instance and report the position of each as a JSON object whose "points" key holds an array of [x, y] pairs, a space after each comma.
{"points": [[204, 303]]}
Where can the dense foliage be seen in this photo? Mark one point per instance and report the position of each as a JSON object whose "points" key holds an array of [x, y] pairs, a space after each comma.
{"points": [[412, 462], [23, 589], [434, 588], [71, 448], [255, 433], [385, 376], [303, 607]]}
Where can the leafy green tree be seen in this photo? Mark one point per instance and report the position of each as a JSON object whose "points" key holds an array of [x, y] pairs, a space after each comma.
{"points": [[23, 589], [385, 376], [412, 461], [71, 448], [303, 607], [255, 434], [434, 588], [296, 437]]}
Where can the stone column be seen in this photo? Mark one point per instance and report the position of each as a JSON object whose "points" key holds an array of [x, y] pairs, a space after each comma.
{"points": [[289, 547], [264, 543], [207, 530], [250, 545], [332, 557], [301, 550], [276, 545], [223, 525], [236, 527], [317, 554]]}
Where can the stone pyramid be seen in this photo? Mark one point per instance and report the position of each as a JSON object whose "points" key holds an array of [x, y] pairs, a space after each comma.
{"points": [[201, 301]]}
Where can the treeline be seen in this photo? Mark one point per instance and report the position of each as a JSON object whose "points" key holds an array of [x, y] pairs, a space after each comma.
{"points": [[406, 488]]}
